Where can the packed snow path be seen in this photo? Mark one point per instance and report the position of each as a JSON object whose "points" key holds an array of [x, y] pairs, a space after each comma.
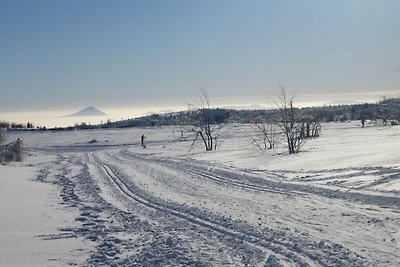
{"points": [[219, 226], [200, 195]]}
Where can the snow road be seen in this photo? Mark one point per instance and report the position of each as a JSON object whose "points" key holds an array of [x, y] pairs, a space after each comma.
{"points": [[162, 206]]}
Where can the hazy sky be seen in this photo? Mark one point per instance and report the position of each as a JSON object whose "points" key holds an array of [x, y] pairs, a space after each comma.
{"points": [[60, 53]]}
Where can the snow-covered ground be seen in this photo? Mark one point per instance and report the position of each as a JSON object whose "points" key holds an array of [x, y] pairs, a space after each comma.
{"points": [[99, 198], [32, 219]]}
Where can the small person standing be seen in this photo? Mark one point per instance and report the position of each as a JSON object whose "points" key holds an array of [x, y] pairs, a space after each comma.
{"points": [[142, 140]]}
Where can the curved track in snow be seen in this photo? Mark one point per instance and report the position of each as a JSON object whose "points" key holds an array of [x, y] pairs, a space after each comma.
{"points": [[288, 248], [248, 180], [252, 239]]}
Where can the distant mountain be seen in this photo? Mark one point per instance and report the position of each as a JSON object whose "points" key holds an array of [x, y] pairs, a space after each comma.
{"points": [[89, 111]]}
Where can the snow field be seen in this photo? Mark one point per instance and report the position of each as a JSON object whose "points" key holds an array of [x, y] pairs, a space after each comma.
{"points": [[336, 203], [31, 218]]}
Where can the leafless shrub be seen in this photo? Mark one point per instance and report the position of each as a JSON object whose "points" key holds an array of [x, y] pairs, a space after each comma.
{"points": [[267, 134], [309, 127], [289, 122], [2, 135], [208, 124], [11, 152]]}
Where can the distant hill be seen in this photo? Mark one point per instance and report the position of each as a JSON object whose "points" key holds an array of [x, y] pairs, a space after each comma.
{"points": [[88, 111]]}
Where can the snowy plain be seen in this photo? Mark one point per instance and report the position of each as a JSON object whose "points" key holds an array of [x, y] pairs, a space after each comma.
{"points": [[97, 198]]}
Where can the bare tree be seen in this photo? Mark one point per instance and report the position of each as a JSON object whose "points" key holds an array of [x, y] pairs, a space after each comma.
{"points": [[288, 121], [267, 135], [208, 128]]}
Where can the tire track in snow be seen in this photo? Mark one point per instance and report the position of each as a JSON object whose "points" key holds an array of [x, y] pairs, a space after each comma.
{"points": [[284, 253], [287, 187], [197, 170], [329, 254], [311, 253], [226, 180], [385, 201]]}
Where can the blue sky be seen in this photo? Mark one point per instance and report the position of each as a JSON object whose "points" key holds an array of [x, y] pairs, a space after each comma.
{"points": [[118, 53]]}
